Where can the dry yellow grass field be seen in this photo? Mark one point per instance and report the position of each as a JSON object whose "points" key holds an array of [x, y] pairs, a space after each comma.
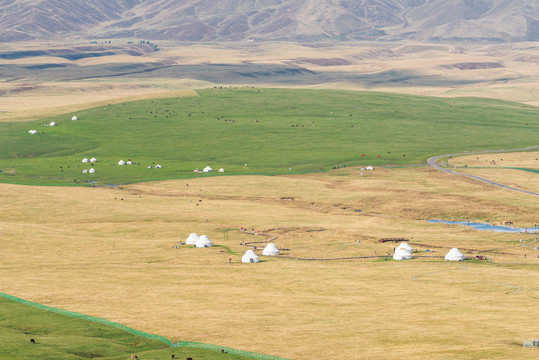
{"points": [[497, 166], [529, 160], [110, 252]]}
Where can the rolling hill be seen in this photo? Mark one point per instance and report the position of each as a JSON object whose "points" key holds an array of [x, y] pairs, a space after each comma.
{"points": [[255, 131], [271, 20]]}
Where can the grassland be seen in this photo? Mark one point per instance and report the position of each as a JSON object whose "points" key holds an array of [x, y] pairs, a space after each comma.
{"points": [[59, 337], [270, 130], [77, 248], [110, 251], [516, 169]]}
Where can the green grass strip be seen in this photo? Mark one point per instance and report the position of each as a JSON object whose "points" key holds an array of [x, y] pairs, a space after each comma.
{"points": [[185, 344], [524, 169]]}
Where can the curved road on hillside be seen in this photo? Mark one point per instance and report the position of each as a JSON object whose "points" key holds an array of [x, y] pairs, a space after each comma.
{"points": [[433, 161]]}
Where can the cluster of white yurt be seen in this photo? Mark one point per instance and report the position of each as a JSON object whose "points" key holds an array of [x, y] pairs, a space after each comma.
{"points": [[203, 242], [86, 171], [250, 257], [270, 250], [33, 132], [191, 239], [208, 169], [403, 252], [454, 255]]}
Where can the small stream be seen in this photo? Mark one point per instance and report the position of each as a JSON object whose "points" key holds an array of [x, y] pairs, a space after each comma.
{"points": [[487, 227]]}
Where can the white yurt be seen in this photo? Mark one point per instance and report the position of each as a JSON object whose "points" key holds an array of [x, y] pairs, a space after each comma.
{"points": [[404, 246], [52, 123], [454, 255], [33, 132], [250, 257], [208, 169], [369, 168], [85, 160], [402, 255], [191, 239], [129, 162], [203, 242], [85, 171], [91, 171], [121, 162], [221, 170], [93, 160], [270, 250], [74, 118], [158, 166]]}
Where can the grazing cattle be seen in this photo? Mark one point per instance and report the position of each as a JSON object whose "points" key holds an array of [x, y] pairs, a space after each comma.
{"points": [[188, 358], [32, 341]]}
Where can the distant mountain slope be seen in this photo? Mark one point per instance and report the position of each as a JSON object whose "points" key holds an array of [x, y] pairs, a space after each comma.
{"points": [[293, 20]]}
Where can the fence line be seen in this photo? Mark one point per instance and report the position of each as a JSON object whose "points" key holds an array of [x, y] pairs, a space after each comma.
{"points": [[187, 344]]}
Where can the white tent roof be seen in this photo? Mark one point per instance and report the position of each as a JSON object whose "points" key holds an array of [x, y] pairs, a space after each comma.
{"points": [[91, 171], [221, 170], [158, 166], [85, 171], [93, 159], [454, 255], [192, 239], [270, 250], [207, 169], [33, 132], [74, 118], [129, 162], [405, 246], [85, 160], [203, 241], [402, 255], [250, 257], [52, 123], [121, 162]]}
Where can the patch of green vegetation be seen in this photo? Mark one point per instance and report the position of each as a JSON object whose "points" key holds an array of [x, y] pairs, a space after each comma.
{"points": [[525, 169], [272, 131], [228, 250], [59, 337]]}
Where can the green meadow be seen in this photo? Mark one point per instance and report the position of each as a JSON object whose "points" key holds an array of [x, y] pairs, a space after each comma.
{"points": [[59, 337], [256, 131]]}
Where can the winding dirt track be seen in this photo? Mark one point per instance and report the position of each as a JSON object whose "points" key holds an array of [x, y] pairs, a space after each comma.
{"points": [[433, 161]]}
